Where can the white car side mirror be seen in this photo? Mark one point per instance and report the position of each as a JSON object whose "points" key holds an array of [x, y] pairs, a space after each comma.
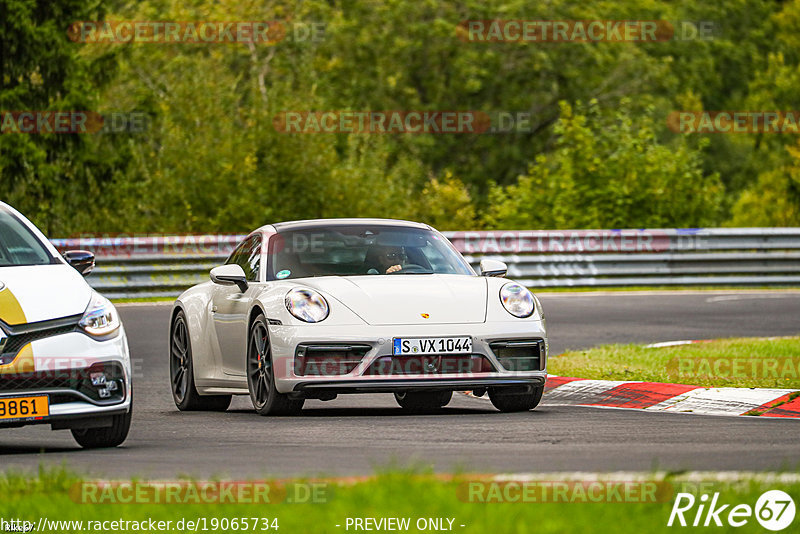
{"points": [[493, 268], [228, 275]]}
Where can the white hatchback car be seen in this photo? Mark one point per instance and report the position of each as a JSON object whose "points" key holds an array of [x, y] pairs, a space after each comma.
{"points": [[314, 309], [64, 357]]}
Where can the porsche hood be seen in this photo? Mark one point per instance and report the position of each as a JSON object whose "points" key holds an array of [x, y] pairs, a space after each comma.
{"points": [[30, 294], [409, 299]]}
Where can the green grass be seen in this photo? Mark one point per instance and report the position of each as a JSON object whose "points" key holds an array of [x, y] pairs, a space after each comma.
{"points": [[735, 362], [392, 494]]}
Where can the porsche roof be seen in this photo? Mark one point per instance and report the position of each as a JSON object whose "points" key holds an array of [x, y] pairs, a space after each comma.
{"points": [[315, 223]]}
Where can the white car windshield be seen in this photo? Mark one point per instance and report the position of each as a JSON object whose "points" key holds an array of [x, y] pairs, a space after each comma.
{"points": [[18, 245], [362, 250]]}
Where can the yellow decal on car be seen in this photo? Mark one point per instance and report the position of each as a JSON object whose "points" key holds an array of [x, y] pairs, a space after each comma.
{"points": [[23, 364], [10, 310]]}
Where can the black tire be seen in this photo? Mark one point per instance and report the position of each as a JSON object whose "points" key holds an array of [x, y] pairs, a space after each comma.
{"points": [[261, 377], [515, 402], [112, 436], [181, 372], [423, 401]]}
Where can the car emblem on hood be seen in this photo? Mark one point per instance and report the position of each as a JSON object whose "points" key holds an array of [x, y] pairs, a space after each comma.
{"points": [[425, 315]]}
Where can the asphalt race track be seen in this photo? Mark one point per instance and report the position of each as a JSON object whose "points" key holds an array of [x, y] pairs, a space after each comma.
{"points": [[356, 434]]}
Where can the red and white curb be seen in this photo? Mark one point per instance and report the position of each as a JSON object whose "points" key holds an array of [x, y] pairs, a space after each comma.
{"points": [[676, 398]]}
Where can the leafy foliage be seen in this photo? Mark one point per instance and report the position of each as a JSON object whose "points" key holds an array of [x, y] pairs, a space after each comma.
{"points": [[51, 176], [608, 172], [775, 199], [211, 159]]}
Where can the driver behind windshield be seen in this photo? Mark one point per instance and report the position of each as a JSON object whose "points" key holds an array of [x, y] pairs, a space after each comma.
{"points": [[386, 259]]}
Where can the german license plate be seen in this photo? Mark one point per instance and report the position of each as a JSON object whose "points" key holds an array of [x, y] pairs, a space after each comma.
{"points": [[13, 408], [410, 346]]}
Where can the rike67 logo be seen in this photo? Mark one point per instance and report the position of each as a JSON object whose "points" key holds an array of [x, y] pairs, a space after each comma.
{"points": [[774, 510]]}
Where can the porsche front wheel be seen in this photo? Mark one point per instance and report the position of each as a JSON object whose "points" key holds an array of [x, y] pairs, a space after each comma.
{"points": [[506, 401], [423, 401], [261, 376]]}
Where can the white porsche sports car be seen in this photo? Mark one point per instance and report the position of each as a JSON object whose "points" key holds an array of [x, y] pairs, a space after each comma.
{"points": [[64, 357], [313, 309]]}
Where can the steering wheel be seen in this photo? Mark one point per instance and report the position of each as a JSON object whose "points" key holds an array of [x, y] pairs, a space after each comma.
{"points": [[412, 268]]}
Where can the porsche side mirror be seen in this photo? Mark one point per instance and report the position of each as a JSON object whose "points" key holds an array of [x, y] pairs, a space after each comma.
{"points": [[81, 260], [228, 275], [493, 268]]}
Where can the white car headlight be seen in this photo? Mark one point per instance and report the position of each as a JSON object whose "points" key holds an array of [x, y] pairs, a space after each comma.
{"points": [[100, 318], [307, 305], [517, 300]]}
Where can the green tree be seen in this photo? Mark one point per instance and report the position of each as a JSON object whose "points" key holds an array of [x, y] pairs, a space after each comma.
{"points": [[772, 197], [58, 180], [608, 172], [446, 204], [774, 200], [212, 160]]}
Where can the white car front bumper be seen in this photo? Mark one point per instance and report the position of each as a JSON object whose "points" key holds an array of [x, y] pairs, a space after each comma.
{"points": [[374, 371], [76, 372]]}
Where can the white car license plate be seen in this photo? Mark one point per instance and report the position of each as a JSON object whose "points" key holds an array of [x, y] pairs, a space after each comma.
{"points": [[409, 346]]}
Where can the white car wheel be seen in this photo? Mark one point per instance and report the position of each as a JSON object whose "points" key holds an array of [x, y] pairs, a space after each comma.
{"points": [[106, 437]]}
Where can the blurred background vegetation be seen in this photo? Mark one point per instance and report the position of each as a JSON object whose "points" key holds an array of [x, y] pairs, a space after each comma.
{"points": [[599, 153]]}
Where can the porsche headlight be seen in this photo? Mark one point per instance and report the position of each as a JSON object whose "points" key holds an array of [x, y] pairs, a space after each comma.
{"points": [[307, 305], [517, 300], [100, 318]]}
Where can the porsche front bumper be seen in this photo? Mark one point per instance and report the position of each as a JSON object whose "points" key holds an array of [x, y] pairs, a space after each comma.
{"points": [[377, 343]]}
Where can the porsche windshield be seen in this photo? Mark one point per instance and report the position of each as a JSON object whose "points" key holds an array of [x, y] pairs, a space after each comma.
{"points": [[18, 246], [362, 250]]}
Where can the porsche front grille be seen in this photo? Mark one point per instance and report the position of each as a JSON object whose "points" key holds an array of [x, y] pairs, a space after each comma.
{"points": [[328, 359], [520, 354]]}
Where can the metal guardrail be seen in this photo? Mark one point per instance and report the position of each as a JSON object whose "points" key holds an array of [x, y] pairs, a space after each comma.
{"points": [[163, 266]]}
